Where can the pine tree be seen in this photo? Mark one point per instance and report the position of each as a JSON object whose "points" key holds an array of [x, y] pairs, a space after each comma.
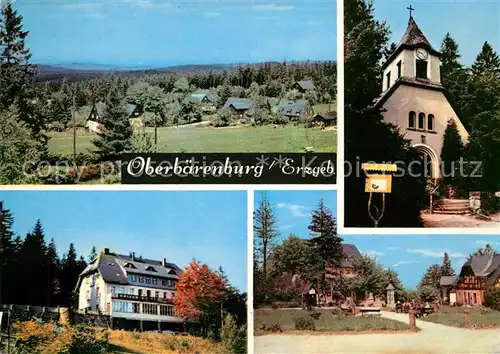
{"points": [[452, 150], [323, 233], [15, 70], [6, 253], [432, 277], [487, 61], [116, 136], [367, 138], [265, 233], [53, 265], [446, 268], [33, 256], [93, 254]]}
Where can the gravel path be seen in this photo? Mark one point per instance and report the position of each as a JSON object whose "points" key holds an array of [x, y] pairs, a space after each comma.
{"points": [[432, 339], [450, 220]]}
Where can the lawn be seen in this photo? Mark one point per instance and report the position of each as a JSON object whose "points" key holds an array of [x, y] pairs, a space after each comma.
{"points": [[454, 316], [325, 321], [267, 138], [325, 107]]}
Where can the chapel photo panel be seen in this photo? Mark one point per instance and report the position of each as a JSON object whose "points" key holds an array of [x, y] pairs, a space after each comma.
{"points": [[421, 114]]}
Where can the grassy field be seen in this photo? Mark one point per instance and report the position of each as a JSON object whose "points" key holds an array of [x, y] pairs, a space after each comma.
{"points": [[454, 316], [228, 140], [326, 321]]}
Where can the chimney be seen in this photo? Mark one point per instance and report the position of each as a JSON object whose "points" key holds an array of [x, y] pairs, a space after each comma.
{"points": [[164, 263], [132, 256], [106, 251]]}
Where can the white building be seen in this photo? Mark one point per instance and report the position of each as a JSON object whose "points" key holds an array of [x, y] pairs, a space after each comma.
{"points": [[134, 292], [413, 98]]}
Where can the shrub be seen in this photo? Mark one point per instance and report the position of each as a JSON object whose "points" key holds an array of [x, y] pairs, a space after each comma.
{"points": [[90, 172], [223, 118], [489, 202], [315, 315], [304, 323], [233, 337], [56, 126], [492, 298], [275, 327]]}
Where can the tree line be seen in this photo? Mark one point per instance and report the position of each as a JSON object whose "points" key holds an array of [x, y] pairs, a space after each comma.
{"points": [[31, 270], [474, 93]]}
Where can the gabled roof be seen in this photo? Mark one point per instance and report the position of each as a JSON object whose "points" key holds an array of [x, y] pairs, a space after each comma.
{"points": [[448, 280], [112, 268], [293, 108], [350, 252], [306, 85], [238, 103], [198, 96], [413, 38], [326, 116], [483, 266]]}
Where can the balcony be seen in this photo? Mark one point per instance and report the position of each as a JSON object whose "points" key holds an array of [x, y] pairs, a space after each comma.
{"points": [[141, 298]]}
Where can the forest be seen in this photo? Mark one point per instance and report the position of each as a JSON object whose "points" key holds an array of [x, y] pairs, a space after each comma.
{"points": [[474, 93], [51, 112]]}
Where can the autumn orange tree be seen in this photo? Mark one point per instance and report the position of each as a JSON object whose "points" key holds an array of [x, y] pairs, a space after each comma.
{"points": [[200, 295]]}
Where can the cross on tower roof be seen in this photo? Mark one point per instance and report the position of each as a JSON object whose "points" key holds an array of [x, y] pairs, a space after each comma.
{"points": [[411, 9]]}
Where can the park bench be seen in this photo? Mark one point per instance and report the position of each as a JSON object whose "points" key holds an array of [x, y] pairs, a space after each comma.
{"points": [[370, 311]]}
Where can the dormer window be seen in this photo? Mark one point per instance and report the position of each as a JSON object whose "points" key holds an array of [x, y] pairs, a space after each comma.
{"points": [[130, 265], [171, 271], [150, 269]]}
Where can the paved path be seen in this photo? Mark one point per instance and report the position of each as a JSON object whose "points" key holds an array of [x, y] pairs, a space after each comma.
{"points": [[457, 221], [432, 339]]}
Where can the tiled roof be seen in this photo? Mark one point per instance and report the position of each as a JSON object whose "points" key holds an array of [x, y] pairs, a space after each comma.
{"points": [[413, 35], [239, 103], [293, 108], [306, 85], [112, 268], [448, 280]]}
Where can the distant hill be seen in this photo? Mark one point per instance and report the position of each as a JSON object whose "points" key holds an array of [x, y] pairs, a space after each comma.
{"points": [[79, 71]]}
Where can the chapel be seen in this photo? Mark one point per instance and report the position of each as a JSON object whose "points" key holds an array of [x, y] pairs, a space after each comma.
{"points": [[413, 98]]}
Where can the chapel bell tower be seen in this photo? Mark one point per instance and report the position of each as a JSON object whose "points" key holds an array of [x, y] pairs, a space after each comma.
{"points": [[414, 59]]}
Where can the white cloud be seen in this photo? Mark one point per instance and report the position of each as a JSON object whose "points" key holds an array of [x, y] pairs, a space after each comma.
{"points": [[435, 253], [393, 248], [273, 7], [374, 253], [484, 242], [404, 262], [86, 9], [212, 14], [150, 4], [295, 209]]}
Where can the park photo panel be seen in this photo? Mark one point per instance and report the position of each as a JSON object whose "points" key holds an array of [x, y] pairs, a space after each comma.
{"points": [[318, 291]]}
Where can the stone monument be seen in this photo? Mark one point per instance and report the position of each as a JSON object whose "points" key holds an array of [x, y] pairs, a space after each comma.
{"points": [[391, 303]]}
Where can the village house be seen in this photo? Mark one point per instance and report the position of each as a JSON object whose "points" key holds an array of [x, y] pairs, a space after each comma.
{"points": [[97, 111], [303, 86], [476, 275], [135, 293], [238, 106], [413, 98], [205, 97], [294, 109], [325, 119], [346, 269]]}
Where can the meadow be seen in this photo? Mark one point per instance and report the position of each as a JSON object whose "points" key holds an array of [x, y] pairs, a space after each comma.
{"points": [[275, 320], [258, 139], [480, 317]]}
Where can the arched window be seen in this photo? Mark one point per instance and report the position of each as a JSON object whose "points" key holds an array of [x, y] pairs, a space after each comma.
{"points": [[421, 120], [430, 122], [411, 119]]}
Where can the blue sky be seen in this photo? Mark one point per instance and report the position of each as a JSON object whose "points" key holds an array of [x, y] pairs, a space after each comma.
{"points": [[411, 255], [208, 226], [471, 23], [408, 255], [293, 208], [163, 32]]}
